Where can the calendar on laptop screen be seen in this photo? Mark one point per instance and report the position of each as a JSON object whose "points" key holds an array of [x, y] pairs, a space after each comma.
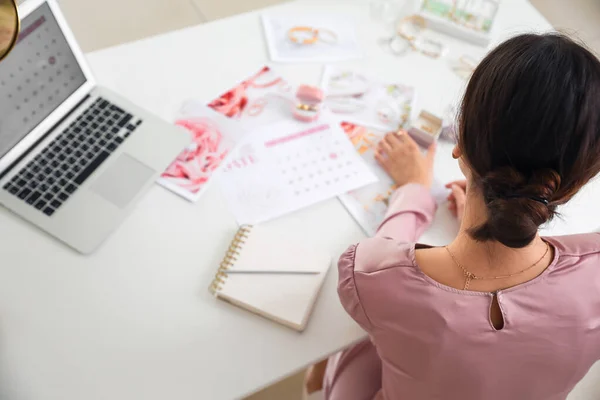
{"points": [[39, 74]]}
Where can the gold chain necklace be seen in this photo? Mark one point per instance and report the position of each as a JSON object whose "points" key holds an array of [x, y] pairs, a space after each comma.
{"points": [[469, 276]]}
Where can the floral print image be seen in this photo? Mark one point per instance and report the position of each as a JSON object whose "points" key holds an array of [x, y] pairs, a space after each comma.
{"points": [[255, 100], [368, 204], [213, 137]]}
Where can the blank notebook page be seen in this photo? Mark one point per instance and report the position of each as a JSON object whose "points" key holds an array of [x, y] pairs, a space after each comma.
{"points": [[287, 299]]}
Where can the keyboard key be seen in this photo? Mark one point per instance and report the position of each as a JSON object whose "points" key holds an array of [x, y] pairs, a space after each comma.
{"points": [[34, 197], [13, 190], [43, 162], [138, 123], [63, 196], [24, 193], [116, 109], [115, 130], [119, 140], [47, 170], [28, 175], [95, 126], [40, 204], [33, 184], [50, 180], [50, 155], [102, 156], [55, 189], [82, 161], [62, 182], [48, 211], [48, 196], [62, 157], [103, 104], [64, 167], [43, 187], [131, 127], [69, 175], [21, 182], [36, 168], [68, 150], [110, 122], [101, 119], [71, 160], [102, 142], [85, 147], [71, 188], [125, 120], [112, 147], [89, 118], [54, 164], [77, 130], [55, 204], [78, 153]]}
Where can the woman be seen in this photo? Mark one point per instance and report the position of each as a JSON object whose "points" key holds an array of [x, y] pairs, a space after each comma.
{"points": [[500, 313]]}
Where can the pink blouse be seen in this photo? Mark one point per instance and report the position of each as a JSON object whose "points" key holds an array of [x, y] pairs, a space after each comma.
{"points": [[437, 342]]}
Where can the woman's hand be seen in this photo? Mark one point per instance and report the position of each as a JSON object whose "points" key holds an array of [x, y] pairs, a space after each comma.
{"points": [[457, 199], [401, 158]]}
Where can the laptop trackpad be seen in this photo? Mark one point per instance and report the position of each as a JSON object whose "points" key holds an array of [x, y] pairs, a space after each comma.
{"points": [[122, 180]]}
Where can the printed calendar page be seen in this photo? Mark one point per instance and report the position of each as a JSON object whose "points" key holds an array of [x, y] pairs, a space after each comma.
{"points": [[289, 165], [38, 75]]}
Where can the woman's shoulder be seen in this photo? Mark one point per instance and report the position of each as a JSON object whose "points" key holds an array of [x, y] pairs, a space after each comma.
{"points": [[576, 245], [377, 254]]}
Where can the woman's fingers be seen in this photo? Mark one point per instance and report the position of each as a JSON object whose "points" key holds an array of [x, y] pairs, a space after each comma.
{"points": [[460, 199], [385, 146], [381, 159], [461, 183], [392, 140], [431, 152]]}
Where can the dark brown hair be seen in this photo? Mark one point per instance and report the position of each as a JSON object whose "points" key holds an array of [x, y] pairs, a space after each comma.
{"points": [[529, 129]]}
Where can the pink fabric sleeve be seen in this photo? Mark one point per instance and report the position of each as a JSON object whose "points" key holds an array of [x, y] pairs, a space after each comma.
{"points": [[347, 290], [410, 212]]}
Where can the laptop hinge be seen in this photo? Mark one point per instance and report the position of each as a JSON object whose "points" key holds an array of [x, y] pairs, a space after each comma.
{"points": [[41, 139]]}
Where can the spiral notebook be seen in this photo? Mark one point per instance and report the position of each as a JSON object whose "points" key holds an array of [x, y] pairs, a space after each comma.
{"points": [[272, 276]]}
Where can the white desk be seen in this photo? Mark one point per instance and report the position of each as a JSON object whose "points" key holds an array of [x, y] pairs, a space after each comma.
{"points": [[135, 320]]}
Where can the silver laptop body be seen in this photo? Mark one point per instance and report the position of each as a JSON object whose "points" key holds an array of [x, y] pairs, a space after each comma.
{"points": [[74, 157]]}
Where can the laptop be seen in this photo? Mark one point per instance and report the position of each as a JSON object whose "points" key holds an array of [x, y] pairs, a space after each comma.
{"points": [[74, 157]]}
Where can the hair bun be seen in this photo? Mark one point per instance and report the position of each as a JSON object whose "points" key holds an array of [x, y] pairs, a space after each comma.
{"points": [[515, 211]]}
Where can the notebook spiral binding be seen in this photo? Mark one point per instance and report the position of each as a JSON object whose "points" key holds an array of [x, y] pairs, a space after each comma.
{"points": [[230, 257]]}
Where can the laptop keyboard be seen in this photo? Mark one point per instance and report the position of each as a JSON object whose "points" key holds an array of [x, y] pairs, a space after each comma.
{"points": [[51, 177]]}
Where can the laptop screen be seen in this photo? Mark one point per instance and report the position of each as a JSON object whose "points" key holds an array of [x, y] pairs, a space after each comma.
{"points": [[39, 74]]}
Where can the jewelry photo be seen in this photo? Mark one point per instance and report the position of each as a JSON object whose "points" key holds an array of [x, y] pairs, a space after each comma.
{"points": [[306, 35]]}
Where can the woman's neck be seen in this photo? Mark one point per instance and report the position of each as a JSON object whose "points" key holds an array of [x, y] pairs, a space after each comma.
{"points": [[490, 258]]}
